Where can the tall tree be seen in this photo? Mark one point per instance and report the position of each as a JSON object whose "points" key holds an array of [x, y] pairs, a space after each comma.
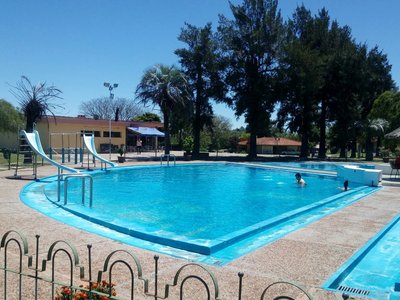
{"points": [[303, 70], [331, 39], [377, 79], [10, 118], [358, 76], [106, 108], [372, 129], [166, 87], [345, 76], [35, 100], [201, 63], [251, 42]]}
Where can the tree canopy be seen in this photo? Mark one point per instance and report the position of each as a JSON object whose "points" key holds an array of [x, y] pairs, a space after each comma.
{"points": [[387, 106], [251, 42], [201, 63], [166, 87], [106, 108], [36, 101], [147, 117], [10, 118]]}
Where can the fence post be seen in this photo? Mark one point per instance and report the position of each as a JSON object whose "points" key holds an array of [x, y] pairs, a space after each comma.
{"points": [[240, 274], [156, 257], [90, 269], [36, 266]]}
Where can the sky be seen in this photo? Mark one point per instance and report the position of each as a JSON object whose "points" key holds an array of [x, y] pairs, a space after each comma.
{"points": [[77, 45]]}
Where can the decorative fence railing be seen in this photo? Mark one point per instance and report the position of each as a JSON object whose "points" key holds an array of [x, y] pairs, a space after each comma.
{"points": [[61, 275]]}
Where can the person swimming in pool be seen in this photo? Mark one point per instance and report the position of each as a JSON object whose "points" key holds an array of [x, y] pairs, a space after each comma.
{"points": [[346, 185], [300, 180]]}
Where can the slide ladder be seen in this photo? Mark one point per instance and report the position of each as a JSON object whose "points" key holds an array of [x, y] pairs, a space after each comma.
{"points": [[33, 140], [29, 155]]}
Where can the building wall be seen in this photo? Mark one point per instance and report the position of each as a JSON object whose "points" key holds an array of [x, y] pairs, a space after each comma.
{"points": [[263, 149], [61, 134]]}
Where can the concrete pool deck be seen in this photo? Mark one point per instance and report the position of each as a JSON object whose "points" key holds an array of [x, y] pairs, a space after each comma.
{"points": [[308, 256]]}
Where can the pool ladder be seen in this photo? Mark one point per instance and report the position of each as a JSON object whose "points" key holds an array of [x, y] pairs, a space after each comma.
{"points": [[65, 178], [168, 156]]}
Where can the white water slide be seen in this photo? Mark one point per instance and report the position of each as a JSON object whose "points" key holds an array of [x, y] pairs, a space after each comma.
{"points": [[90, 146], [33, 140]]}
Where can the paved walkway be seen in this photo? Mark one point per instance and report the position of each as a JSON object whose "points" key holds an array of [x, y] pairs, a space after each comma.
{"points": [[307, 256]]}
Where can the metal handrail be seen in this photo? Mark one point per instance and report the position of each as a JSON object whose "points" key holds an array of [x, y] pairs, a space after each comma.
{"points": [[83, 177], [168, 157]]}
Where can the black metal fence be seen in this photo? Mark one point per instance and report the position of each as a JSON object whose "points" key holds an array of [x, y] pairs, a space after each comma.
{"points": [[62, 275]]}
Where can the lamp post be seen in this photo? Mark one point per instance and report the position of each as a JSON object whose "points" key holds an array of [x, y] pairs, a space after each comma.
{"points": [[110, 88]]}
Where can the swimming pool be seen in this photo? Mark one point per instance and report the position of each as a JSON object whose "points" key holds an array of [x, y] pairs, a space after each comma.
{"points": [[204, 209], [318, 166], [373, 271]]}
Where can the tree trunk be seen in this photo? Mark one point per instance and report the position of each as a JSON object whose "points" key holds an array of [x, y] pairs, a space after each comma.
{"points": [[353, 144], [353, 148], [342, 152], [378, 147], [253, 144], [166, 132], [24, 145], [322, 131], [369, 155], [305, 132], [304, 145], [196, 128]]}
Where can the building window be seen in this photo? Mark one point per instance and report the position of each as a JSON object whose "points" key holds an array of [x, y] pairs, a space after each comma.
{"points": [[114, 134], [87, 132]]}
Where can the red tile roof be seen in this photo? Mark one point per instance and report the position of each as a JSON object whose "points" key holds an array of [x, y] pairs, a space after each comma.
{"points": [[271, 141]]}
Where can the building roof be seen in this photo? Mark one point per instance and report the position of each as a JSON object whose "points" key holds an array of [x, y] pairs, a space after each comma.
{"points": [[93, 122], [146, 131], [271, 141]]}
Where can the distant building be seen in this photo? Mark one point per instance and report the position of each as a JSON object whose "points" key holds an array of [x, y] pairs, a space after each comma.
{"points": [[63, 132], [272, 145]]}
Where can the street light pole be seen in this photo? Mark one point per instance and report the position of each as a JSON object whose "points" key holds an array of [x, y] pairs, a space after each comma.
{"points": [[110, 88]]}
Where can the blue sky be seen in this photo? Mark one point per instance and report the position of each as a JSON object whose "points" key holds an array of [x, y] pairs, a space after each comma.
{"points": [[78, 44]]}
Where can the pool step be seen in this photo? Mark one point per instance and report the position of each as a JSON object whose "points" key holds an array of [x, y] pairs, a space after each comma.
{"points": [[347, 289]]}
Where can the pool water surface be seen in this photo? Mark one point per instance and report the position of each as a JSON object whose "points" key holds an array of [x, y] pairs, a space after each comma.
{"points": [[204, 208]]}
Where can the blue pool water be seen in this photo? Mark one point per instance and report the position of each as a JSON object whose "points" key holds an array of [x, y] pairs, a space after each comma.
{"points": [[374, 270], [223, 210], [318, 166], [306, 165]]}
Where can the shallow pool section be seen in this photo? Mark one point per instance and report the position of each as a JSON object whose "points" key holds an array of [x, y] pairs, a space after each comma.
{"points": [[373, 272], [205, 212]]}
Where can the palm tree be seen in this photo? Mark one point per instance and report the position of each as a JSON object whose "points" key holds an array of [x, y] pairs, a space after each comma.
{"points": [[166, 87], [373, 128], [35, 103], [35, 100]]}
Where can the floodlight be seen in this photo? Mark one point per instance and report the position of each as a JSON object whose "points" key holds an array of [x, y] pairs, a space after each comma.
{"points": [[106, 84]]}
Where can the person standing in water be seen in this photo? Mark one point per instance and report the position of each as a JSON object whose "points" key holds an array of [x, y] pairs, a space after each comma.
{"points": [[300, 180], [346, 185]]}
